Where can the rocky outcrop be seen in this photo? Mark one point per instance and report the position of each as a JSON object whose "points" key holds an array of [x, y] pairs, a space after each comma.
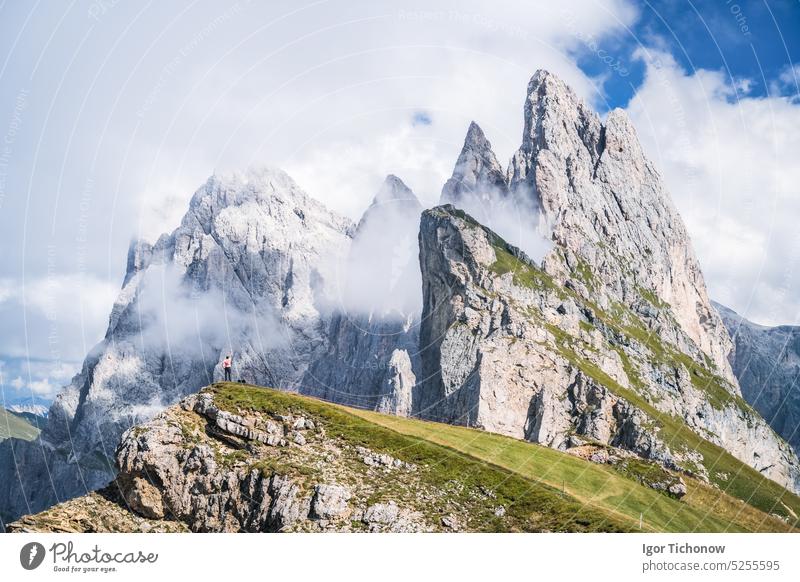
{"points": [[98, 512], [766, 360], [510, 350], [215, 470]]}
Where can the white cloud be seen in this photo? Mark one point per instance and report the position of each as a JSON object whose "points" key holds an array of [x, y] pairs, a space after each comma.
{"points": [[347, 175], [730, 162], [72, 299], [335, 105], [7, 290], [329, 93], [787, 84], [44, 388], [790, 76], [42, 378], [55, 318]]}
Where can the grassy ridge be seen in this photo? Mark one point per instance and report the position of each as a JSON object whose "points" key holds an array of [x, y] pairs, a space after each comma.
{"points": [[541, 487], [530, 505], [15, 426], [704, 508]]}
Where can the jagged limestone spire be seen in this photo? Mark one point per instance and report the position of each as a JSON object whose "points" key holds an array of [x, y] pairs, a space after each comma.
{"points": [[478, 179], [610, 211]]}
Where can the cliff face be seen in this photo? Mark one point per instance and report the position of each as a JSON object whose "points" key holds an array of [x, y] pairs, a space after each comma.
{"points": [[766, 360], [608, 209], [612, 333]]}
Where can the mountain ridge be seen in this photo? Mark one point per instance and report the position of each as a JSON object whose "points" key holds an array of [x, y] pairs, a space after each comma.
{"points": [[590, 374], [17, 425]]}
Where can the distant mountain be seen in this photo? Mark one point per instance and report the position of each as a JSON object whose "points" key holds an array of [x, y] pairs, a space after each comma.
{"points": [[766, 360], [29, 410], [28, 403], [17, 425]]}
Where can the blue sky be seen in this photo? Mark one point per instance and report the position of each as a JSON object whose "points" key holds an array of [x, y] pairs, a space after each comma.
{"points": [[754, 40], [113, 112]]}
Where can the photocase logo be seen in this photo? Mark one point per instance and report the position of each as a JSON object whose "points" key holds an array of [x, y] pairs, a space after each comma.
{"points": [[31, 555]]}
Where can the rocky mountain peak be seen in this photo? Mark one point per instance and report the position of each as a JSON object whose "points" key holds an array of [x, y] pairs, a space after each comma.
{"points": [[510, 348], [478, 179], [262, 191], [393, 197], [610, 339], [373, 341], [476, 139], [248, 272], [612, 218], [393, 188], [556, 119]]}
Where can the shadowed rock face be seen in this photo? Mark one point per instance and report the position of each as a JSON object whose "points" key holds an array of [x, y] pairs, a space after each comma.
{"points": [[766, 360]]}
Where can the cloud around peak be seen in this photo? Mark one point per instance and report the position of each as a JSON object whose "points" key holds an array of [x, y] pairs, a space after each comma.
{"points": [[729, 161]]}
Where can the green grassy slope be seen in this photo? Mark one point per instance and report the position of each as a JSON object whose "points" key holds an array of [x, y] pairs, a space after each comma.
{"points": [[530, 506], [16, 426], [704, 508], [542, 488], [725, 471]]}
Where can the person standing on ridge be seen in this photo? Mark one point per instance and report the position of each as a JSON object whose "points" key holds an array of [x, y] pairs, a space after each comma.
{"points": [[226, 365]]}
